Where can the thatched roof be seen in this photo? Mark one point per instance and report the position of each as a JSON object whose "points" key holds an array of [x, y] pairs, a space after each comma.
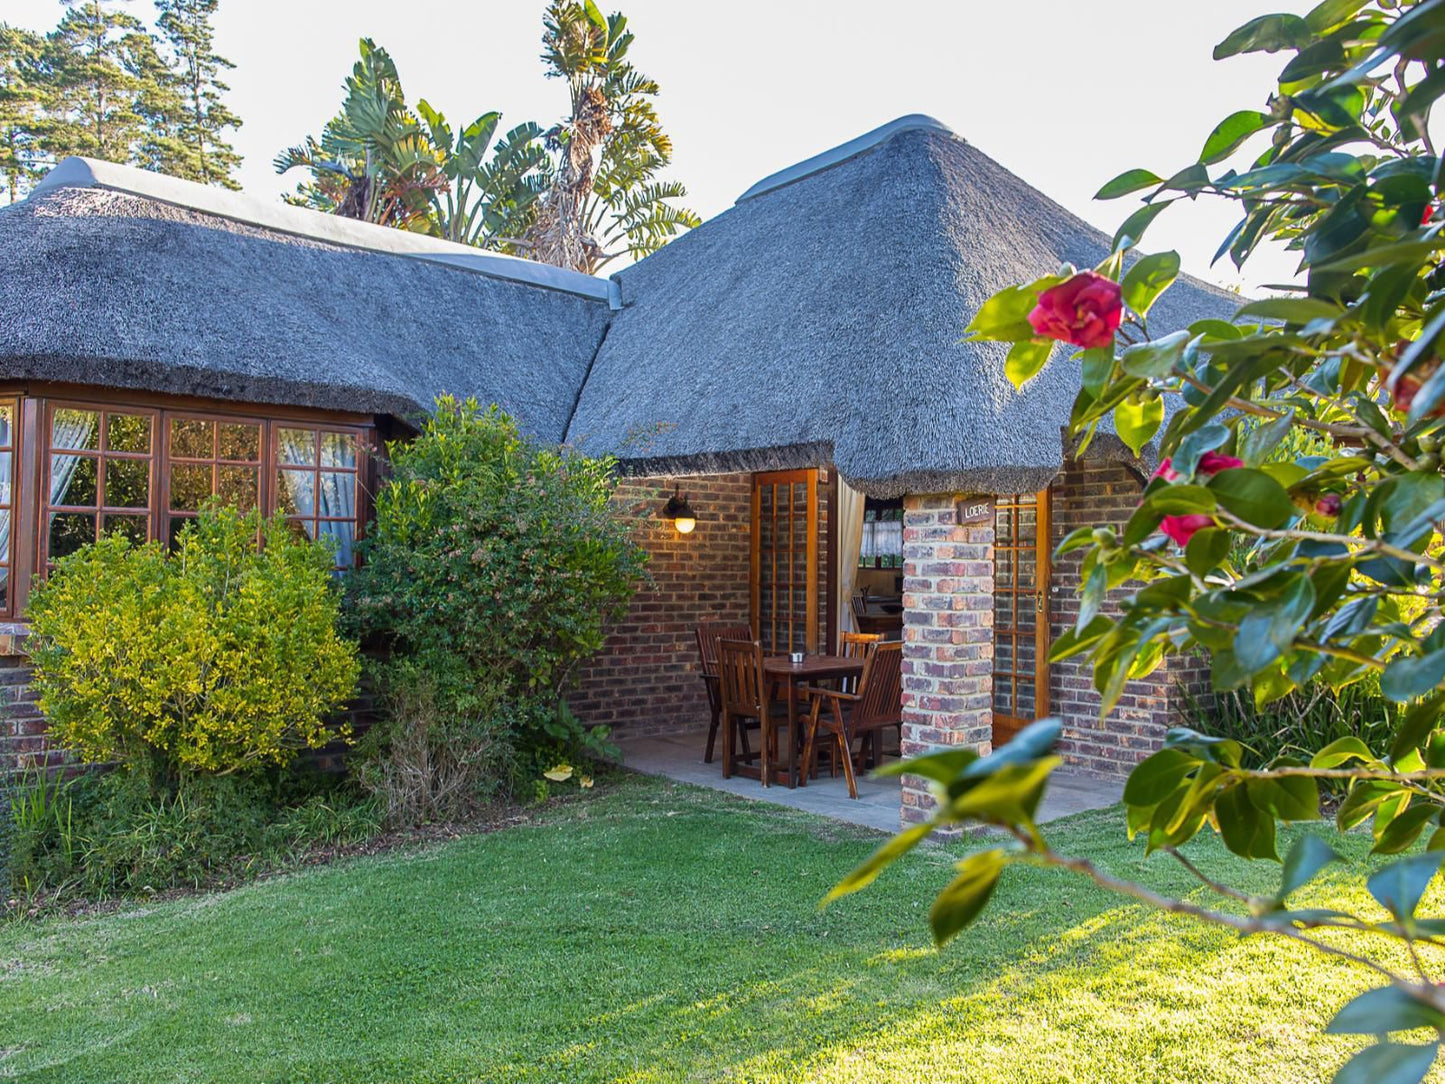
{"points": [[819, 320], [104, 280]]}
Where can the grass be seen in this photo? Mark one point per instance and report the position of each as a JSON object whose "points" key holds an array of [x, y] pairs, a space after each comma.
{"points": [[657, 933]]}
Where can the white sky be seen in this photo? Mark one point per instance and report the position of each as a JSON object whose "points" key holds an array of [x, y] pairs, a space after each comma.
{"points": [[1065, 94]]}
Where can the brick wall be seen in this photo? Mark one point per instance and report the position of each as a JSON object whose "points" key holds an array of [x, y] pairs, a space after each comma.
{"points": [[22, 727], [947, 636], [646, 678], [1096, 494]]}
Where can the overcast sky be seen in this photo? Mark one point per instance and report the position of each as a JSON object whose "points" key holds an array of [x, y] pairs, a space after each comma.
{"points": [[1064, 94]]}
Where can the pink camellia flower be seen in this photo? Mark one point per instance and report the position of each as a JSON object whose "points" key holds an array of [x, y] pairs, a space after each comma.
{"points": [[1211, 463], [1085, 311], [1329, 504], [1182, 528]]}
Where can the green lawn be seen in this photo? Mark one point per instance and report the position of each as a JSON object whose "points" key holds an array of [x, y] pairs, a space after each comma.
{"points": [[654, 932]]}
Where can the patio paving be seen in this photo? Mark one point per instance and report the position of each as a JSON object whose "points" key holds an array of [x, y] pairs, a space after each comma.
{"points": [[679, 757]]}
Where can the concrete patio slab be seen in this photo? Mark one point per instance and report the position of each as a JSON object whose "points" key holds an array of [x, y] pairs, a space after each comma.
{"points": [[679, 757]]}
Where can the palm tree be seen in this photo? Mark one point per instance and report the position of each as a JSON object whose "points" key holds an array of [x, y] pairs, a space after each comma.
{"points": [[603, 198], [373, 160]]}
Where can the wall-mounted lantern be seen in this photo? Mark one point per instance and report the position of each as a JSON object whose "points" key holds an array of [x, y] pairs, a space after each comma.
{"points": [[680, 512]]}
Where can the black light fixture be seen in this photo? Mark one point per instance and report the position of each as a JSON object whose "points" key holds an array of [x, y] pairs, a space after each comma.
{"points": [[680, 512]]}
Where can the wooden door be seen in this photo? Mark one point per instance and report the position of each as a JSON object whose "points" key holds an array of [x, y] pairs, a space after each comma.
{"points": [[1020, 612], [785, 560]]}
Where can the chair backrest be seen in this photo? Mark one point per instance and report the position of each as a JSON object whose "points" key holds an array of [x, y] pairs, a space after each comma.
{"points": [[740, 677], [880, 689], [860, 603], [709, 633], [855, 645]]}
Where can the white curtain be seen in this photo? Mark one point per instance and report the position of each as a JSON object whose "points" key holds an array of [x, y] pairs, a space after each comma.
{"points": [[850, 542], [69, 429], [335, 492]]}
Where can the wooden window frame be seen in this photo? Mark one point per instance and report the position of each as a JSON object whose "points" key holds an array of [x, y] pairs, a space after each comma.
{"points": [[360, 497], [33, 413], [102, 455], [884, 512], [10, 504], [170, 461], [809, 480]]}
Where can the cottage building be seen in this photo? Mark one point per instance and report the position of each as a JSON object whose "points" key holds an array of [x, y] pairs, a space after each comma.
{"points": [[793, 366]]}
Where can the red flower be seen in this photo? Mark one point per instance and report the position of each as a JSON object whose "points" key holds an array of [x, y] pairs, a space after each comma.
{"points": [[1210, 463], [1182, 528], [1329, 504], [1085, 311]]}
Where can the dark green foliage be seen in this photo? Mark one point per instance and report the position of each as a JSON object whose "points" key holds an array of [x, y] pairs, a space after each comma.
{"points": [[1314, 581], [491, 570], [111, 833], [105, 85], [1297, 725]]}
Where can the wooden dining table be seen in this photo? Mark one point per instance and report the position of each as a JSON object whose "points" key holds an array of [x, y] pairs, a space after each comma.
{"points": [[780, 669]]}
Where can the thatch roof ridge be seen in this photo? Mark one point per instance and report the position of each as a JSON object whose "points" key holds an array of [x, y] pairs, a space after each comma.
{"points": [[825, 311]]}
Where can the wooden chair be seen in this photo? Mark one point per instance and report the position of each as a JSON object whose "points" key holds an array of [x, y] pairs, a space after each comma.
{"points": [[743, 689], [877, 704], [708, 634], [855, 645]]}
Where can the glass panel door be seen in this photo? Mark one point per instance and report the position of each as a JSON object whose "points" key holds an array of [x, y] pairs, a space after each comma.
{"points": [[1020, 612], [785, 560]]}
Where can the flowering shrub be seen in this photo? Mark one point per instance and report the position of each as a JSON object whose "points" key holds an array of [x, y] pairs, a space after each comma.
{"points": [[1322, 570], [218, 658], [493, 566]]}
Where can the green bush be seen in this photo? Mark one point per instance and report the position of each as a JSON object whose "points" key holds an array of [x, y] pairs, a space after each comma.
{"points": [[492, 568], [1297, 725], [221, 657]]}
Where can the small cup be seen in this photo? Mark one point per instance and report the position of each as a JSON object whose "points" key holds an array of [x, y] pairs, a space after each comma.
{"points": [[796, 657]]}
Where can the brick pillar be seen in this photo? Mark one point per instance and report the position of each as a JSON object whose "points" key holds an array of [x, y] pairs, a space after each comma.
{"points": [[947, 635]]}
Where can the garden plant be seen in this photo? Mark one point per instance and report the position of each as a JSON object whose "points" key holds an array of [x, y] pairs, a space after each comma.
{"points": [[490, 572], [192, 680], [1326, 570]]}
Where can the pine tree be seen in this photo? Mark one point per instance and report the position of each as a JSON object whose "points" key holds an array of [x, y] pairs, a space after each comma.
{"points": [[88, 61], [21, 109], [208, 157]]}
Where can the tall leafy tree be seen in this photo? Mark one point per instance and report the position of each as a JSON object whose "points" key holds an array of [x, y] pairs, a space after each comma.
{"points": [[205, 154], [21, 108], [605, 198], [95, 65], [381, 161]]}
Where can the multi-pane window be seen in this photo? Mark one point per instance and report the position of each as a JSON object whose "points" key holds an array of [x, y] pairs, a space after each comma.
{"points": [[318, 485], [7, 498], [882, 542], [98, 477], [210, 457], [147, 473]]}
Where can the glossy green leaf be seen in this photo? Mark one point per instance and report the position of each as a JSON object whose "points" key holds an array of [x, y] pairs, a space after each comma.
{"points": [[1307, 856], [1383, 1010], [1268, 33], [1231, 132], [1131, 230], [966, 895], [1409, 676], [942, 765], [1399, 832], [1137, 422], [1004, 316], [1342, 751], [1253, 496], [1389, 1063], [1246, 830], [1148, 278], [1131, 180], [1399, 886], [1157, 776], [884, 856], [1155, 358], [1294, 310], [1268, 631], [1288, 797], [1416, 726], [1206, 550], [1027, 359]]}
